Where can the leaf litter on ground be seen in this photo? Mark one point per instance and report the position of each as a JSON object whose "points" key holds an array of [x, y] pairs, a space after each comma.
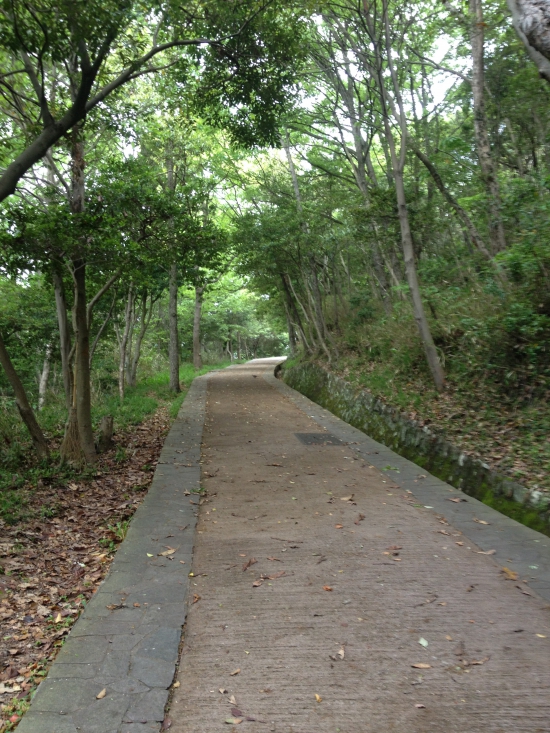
{"points": [[52, 565]]}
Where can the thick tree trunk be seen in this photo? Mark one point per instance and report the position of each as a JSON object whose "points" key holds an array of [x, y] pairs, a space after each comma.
{"points": [[197, 358], [80, 414], [44, 376], [174, 348], [64, 337], [531, 19], [488, 172], [23, 405]]}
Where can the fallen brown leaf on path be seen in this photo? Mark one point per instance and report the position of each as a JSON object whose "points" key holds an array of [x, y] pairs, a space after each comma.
{"points": [[236, 713], [339, 526], [342, 653], [274, 559], [280, 574], [169, 551], [257, 583], [359, 518], [327, 587], [232, 700], [479, 521], [101, 694], [419, 705], [444, 531], [196, 598], [394, 547], [318, 697], [223, 691], [248, 563], [166, 723], [489, 552], [457, 499], [510, 574], [480, 661], [234, 721], [421, 665], [176, 684], [232, 674], [347, 498]]}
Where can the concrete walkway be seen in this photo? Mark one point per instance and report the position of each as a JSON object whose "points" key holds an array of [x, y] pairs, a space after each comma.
{"points": [[333, 587], [327, 598]]}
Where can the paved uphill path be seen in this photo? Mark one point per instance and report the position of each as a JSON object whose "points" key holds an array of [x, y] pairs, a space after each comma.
{"points": [[361, 611]]}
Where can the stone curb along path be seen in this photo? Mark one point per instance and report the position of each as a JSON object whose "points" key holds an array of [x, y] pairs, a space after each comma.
{"points": [[515, 546], [114, 672]]}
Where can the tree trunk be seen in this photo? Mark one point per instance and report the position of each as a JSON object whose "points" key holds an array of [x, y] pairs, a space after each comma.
{"points": [[412, 279], [83, 397], [174, 351], [197, 358], [488, 172], [468, 224], [398, 165], [64, 337], [531, 19], [80, 413], [128, 319], [101, 329], [146, 315], [25, 410], [44, 376], [105, 438]]}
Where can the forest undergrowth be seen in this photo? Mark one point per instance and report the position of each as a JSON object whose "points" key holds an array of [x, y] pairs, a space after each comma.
{"points": [[61, 529], [495, 405]]}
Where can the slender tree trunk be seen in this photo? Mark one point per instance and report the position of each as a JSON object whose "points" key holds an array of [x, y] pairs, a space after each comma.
{"points": [[398, 164], [64, 337], [146, 315], [23, 405], [488, 172], [44, 376], [83, 396], [174, 348], [468, 224], [199, 295], [101, 329], [412, 279], [238, 345], [128, 318]]}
